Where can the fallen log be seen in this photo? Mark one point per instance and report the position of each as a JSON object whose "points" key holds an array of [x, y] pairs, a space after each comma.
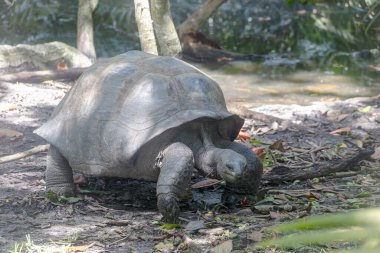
{"points": [[43, 75], [14, 157], [283, 173]]}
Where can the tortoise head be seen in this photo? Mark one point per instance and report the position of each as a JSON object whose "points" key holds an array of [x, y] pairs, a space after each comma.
{"points": [[230, 165], [241, 175]]}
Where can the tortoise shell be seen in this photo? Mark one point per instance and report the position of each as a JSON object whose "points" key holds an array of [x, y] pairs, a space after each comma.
{"points": [[121, 103]]}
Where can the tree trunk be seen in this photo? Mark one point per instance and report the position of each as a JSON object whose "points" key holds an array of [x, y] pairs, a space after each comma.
{"points": [[165, 32], [85, 36], [199, 17], [145, 26]]}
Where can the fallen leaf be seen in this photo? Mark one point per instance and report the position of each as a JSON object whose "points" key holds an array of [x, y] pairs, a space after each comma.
{"points": [[224, 247], [7, 107], [366, 109], [194, 225], [277, 215], [84, 248], [243, 136], [9, 133], [314, 195], [342, 117], [341, 131], [164, 246], [205, 183], [70, 200], [62, 65], [278, 145], [359, 143], [256, 236], [376, 155], [244, 201], [259, 152], [170, 226]]}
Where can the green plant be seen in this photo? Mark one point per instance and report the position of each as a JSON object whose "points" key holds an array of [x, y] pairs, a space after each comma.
{"points": [[351, 228]]}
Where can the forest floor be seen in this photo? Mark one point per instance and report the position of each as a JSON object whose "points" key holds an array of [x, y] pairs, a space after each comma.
{"points": [[113, 215]]}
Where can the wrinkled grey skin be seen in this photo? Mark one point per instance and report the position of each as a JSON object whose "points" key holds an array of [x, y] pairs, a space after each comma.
{"points": [[147, 117]]}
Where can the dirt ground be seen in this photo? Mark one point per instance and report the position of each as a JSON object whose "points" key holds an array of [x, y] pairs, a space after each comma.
{"points": [[113, 215]]}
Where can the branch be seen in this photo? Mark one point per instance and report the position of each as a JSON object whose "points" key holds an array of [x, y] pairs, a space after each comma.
{"points": [[35, 150], [199, 17], [43, 75], [282, 173]]}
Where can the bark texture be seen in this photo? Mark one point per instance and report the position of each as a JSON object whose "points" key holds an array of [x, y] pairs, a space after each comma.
{"points": [[199, 17], [85, 36], [165, 32], [145, 26]]}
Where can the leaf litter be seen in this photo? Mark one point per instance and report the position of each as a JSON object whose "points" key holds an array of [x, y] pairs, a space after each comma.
{"points": [[120, 215]]}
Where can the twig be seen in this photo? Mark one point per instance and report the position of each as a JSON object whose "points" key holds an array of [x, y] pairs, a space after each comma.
{"points": [[120, 240], [35, 150]]}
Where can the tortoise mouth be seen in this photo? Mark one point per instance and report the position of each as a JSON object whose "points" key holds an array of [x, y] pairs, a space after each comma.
{"points": [[230, 176]]}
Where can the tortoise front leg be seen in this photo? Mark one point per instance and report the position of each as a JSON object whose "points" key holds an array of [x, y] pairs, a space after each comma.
{"points": [[59, 175], [176, 165]]}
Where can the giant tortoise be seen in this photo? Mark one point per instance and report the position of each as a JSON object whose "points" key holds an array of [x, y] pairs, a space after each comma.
{"points": [[147, 117]]}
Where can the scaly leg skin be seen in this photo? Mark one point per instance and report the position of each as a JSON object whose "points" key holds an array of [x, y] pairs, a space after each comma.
{"points": [[176, 165], [251, 176], [59, 175]]}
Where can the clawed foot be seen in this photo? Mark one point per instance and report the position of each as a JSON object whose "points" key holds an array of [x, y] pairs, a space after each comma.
{"points": [[168, 206]]}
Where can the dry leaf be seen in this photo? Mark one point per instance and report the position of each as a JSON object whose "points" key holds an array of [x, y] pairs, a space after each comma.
{"points": [[224, 247], [7, 107], [243, 136], [84, 248], [376, 155], [278, 145], [259, 152], [62, 65], [314, 195], [341, 131], [256, 236], [277, 215], [9, 133], [205, 183], [359, 143]]}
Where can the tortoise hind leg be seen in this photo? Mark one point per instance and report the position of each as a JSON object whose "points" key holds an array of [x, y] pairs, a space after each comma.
{"points": [[176, 165], [59, 174]]}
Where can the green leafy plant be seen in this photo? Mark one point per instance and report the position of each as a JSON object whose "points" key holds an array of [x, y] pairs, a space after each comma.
{"points": [[360, 226]]}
